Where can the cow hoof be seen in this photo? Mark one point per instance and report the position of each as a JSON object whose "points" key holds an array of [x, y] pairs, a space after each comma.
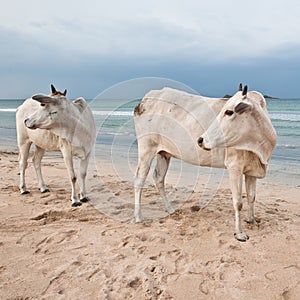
{"points": [[45, 191], [24, 192], [75, 204], [85, 199], [251, 222], [241, 237], [171, 210], [139, 220]]}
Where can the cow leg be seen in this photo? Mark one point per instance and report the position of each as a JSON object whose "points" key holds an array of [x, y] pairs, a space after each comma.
{"points": [[236, 180], [250, 182], [140, 177], [23, 158], [67, 154], [160, 171], [38, 155], [83, 171]]}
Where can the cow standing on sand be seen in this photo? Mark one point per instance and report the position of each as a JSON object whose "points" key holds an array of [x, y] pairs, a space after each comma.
{"points": [[234, 133], [55, 123]]}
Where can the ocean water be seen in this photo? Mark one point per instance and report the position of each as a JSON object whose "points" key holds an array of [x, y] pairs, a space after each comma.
{"points": [[116, 134]]}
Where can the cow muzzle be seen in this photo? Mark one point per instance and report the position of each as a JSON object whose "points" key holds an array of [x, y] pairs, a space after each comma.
{"points": [[30, 124], [202, 144]]}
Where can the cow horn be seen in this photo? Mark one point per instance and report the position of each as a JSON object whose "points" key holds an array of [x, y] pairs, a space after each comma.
{"points": [[245, 90], [53, 89], [65, 92], [240, 87]]}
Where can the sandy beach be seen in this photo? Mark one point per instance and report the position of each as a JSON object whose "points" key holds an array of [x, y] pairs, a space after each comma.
{"points": [[49, 250]]}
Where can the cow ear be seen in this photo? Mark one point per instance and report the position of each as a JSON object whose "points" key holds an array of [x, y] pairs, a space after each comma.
{"points": [[45, 99], [240, 87], [242, 107], [53, 89]]}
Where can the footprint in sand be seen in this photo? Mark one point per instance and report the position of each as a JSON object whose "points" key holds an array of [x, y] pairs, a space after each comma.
{"points": [[49, 244]]}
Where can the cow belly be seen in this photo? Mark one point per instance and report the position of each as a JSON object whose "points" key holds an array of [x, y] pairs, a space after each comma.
{"points": [[193, 154], [203, 158]]}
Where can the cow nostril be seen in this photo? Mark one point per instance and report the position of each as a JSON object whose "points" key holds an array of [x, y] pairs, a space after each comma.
{"points": [[200, 141], [25, 121]]}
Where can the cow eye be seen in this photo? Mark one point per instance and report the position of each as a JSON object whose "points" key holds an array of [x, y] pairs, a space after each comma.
{"points": [[229, 112], [43, 104]]}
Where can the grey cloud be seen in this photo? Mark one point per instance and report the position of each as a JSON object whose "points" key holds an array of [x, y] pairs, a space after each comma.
{"points": [[89, 47]]}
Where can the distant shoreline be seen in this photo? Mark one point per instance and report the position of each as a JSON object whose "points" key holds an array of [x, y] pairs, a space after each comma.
{"points": [[270, 97]]}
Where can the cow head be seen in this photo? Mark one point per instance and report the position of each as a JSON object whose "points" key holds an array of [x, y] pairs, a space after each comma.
{"points": [[244, 124], [50, 113]]}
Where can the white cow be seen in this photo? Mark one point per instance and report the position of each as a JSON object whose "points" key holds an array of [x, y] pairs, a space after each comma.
{"points": [[169, 123], [55, 123]]}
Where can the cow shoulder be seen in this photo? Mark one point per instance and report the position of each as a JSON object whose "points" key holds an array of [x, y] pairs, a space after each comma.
{"points": [[245, 161], [253, 166]]}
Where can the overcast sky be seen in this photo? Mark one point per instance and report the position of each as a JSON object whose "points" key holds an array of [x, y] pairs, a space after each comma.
{"points": [[88, 46]]}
